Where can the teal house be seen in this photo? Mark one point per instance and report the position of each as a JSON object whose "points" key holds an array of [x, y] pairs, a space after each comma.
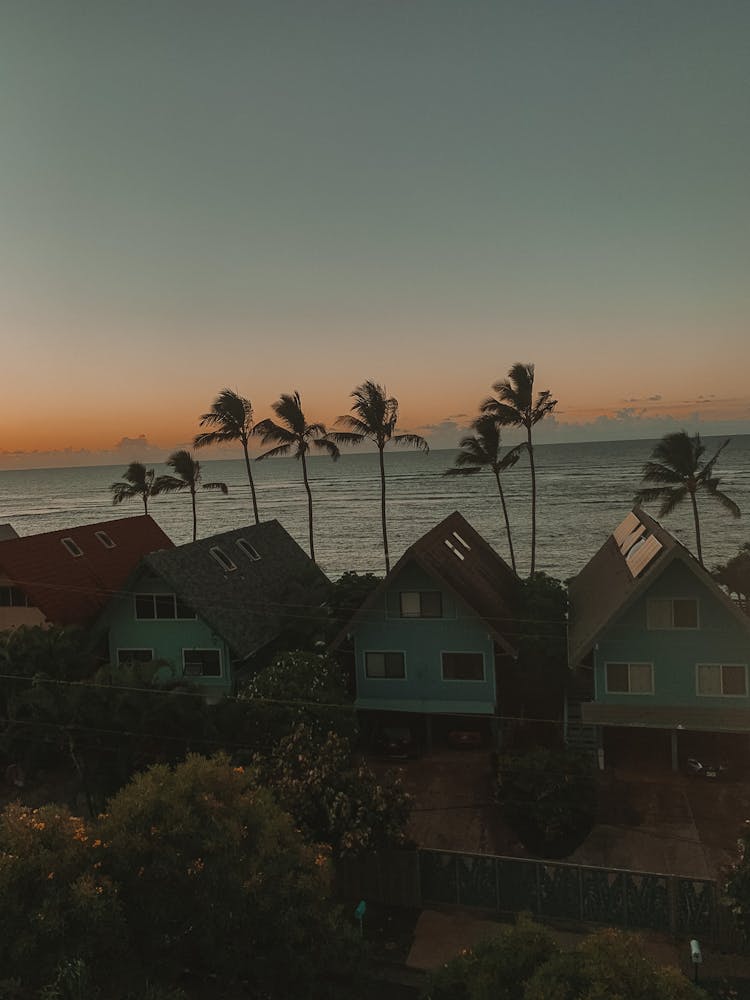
{"points": [[661, 650], [429, 642], [207, 609]]}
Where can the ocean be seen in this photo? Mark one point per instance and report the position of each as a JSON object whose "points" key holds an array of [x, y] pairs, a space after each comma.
{"points": [[584, 491]]}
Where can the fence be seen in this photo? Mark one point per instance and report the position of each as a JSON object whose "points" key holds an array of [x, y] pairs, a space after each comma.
{"points": [[673, 904]]}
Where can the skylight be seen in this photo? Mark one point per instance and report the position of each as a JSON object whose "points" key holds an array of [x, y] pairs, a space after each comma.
{"points": [[222, 559], [454, 550], [105, 539], [250, 551], [462, 541], [72, 547]]}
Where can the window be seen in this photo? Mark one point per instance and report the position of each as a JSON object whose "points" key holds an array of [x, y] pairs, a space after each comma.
{"points": [[134, 656], [719, 680], [672, 613], [249, 550], [72, 547], [13, 597], [454, 550], [161, 606], [223, 559], [630, 678], [421, 604], [385, 665], [201, 662], [105, 539], [463, 666]]}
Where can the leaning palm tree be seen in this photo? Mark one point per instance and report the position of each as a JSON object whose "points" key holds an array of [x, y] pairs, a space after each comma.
{"points": [[188, 477], [295, 435], [139, 482], [231, 417], [374, 418], [676, 469], [482, 450], [515, 406]]}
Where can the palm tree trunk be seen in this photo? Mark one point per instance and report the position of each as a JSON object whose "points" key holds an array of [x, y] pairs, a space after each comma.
{"points": [[382, 512], [309, 506], [697, 528], [195, 513], [145, 504], [252, 484], [533, 503], [507, 521]]}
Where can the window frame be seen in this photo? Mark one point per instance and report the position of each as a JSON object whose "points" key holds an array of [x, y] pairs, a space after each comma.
{"points": [[133, 649], [384, 652], [202, 649], [700, 694], [629, 664], [161, 618], [105, 540], [13, 590], [421, 616], [220, 557], [462, 680], [672, 627], [70, 547], [249, 549]]}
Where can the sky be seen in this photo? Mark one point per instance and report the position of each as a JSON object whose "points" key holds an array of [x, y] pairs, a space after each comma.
{"points": [[303, 195]]}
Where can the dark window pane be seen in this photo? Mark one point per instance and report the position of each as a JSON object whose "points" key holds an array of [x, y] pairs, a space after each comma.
{"points": [[617, 678], [432, 604], [144, 606], [17, 598], [463, 667], [733, 680], [164, 605], [202, 662], [183, 611], [5, 599], [134, 656], [685, 614], [394, 664], [375, 664]]}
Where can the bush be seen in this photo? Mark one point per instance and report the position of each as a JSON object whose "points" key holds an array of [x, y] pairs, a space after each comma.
{"points": [[549, 798]]}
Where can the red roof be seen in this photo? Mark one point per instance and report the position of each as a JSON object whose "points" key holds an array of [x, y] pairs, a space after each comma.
{"points": [[72, 588]]}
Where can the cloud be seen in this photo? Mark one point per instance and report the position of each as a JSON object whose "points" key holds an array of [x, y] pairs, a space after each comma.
{"points": [[644, 399]]}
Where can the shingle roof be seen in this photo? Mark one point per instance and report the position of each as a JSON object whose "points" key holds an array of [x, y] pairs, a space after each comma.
{"points": [[460, 558], [70, 589], [606, 585], [247, 605]]}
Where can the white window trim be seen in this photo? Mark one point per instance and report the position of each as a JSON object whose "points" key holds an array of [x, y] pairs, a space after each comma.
{"points": [[369, 677], [203, 649], [673, 627], [700, 694], [458, 680], [629, 663], [243, 545], [140, 649], [219, 556], [192, 618]]}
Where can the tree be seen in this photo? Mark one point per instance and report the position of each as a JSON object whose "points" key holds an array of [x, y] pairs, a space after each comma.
{"points": [[482, 451], [676, 468], [188, 477], [515, 406], [735, 576], [139, 482], [373, 418], [231, 417], [294, 435]]}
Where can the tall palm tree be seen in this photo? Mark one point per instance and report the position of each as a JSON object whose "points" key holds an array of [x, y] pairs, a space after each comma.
{"points": [[231, 417], [188, 477], [676, 468], [294, 435], [482, 450], [515, 406], [139, 482], [373, 418]]}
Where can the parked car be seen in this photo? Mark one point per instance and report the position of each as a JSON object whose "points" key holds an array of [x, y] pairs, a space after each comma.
{"points": [[703, 769], [395, 741]]}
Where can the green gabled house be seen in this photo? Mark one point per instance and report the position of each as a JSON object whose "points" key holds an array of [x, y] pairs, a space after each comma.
{"points": [[660, 652], [430, 641], [208, 609]]}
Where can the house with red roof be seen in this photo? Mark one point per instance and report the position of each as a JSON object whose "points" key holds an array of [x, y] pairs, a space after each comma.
{"points": [[66, 577]]}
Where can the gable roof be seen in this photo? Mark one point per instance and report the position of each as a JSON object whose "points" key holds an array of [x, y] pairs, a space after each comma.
{"points": [[245, 605], [7, 531], [465, 563], [630, 560], [72, 589]]}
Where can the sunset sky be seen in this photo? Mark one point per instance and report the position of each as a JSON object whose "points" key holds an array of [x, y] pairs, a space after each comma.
{"points": [[301, 195]]}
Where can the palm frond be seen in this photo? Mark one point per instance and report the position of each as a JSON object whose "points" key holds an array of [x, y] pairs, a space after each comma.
{"points": [[288, 408], [463, 470], [502, 412], [411, 441], [222, 487], [511, 457], [346, 437], [711, 487], [354, 424], [123, 491], [655, 472], [169, 484], [277, 452], [651, 493], [672, 500], [268, 430], [325, 444], [211, 437]]}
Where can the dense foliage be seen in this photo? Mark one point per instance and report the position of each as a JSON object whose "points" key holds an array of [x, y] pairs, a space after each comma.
{"points": [[735, 576], [549, 798]]}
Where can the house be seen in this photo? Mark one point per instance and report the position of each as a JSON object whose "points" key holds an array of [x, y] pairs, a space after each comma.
{"points": [[66, 577], [207, 608], [662, 651], [430, 639]]}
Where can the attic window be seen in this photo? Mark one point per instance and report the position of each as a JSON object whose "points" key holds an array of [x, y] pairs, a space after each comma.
{"points": [[454, 550], [250, 551], [223, 559], [105, 539], [71, 546], [462, 541]]}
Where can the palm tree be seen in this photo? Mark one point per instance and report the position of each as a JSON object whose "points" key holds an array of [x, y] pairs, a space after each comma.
{"points": [[295, 435], [482, 451], [231, 416], [139, 482], [676, 468], [515, 406], [375, 417], [188, 477]]}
